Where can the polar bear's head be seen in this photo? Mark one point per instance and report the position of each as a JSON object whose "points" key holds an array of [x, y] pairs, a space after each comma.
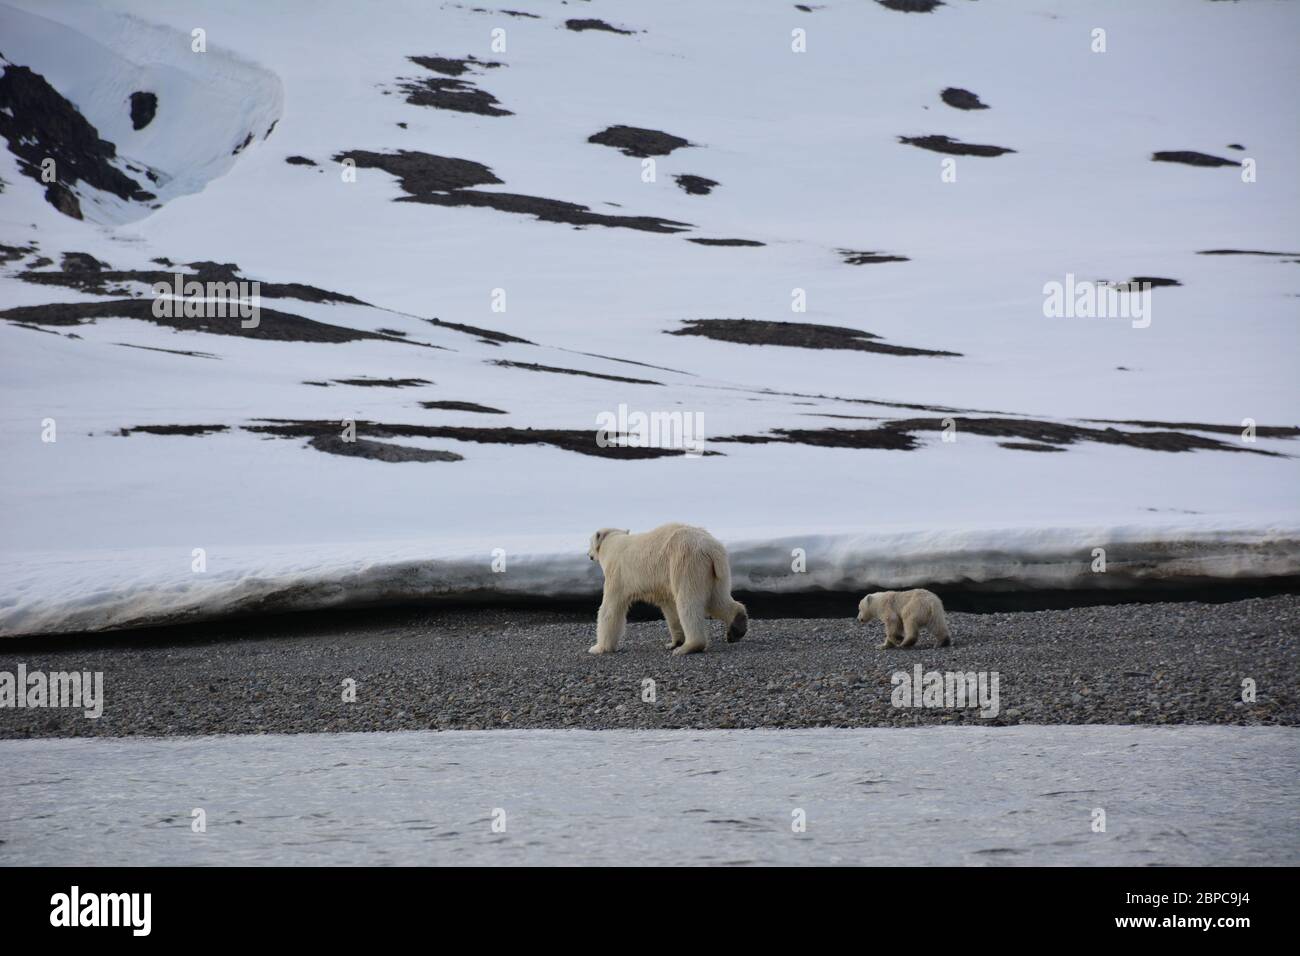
{"points": [[865, 611], [597, 539]]}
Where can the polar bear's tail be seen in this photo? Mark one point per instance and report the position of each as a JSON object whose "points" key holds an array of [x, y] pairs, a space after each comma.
{"points": [[721, 605]]}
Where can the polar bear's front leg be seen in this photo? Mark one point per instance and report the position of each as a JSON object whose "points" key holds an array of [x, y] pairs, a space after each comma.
{"points": [[892, 628], [676, 634], [609, 626]]}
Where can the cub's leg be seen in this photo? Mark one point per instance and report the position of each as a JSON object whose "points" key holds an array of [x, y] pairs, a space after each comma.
{"points": [[695, 625], [893, 626], [609, 626], [677, 635], [911, 630], [940, 631]]}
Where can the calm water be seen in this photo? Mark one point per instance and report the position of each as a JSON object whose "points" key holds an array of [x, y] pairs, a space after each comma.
{"points": [[1019, 795]]}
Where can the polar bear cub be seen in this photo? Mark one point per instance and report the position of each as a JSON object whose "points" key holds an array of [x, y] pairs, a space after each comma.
{"points": [[681, 569], [906, 612]]}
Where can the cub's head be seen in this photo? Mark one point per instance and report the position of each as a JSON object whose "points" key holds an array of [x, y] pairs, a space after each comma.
{"points": [[597, 539], [866, 611]]}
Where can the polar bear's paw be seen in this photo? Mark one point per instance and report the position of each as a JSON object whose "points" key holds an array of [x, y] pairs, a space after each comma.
{"points": [[597, 649], [739, 626], [687, 649]]}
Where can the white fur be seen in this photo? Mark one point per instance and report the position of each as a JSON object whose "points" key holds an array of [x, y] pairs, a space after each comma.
{"points": [[908, 612], [681, 569]]}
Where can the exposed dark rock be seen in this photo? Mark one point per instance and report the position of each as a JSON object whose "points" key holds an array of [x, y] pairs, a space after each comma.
{"points": [[531, 367], [583, 441], [486, 336], [803, 335], [241, 146], [455, 94], [1244, 252], [945, 144], [299, 161], [855, 258], [696, 185], [726, 242], [383, 382], [590, 24], [462, 407], [635, 141], [378, 450], [87, 274], [449, 66], [41, 124], [961, 99], [901, 435], [1192, 158], [911, 6], [272, 324], [144, 106], [173, 430]]}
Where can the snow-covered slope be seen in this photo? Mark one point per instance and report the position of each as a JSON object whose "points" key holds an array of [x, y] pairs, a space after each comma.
{"points": [[447, 226]]}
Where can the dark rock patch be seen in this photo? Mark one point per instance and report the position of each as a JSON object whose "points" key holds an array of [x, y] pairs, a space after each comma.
{"points": [[173, 430], [240, 147], [449, 66], [41, 124], [1192, 158], [14, 253], [1262, 431], [582, 441], [945, 144], [911, 6], [635, 141], [1236, 146], [854, 258], [1028, 446], [86, 274], [485, 336], [378, 450], [548, 210], [961, 99], [273, 325], [462, 407], [696, 185], [880, 438], [1244, 252], [151, 348], [1153, 281], [531, 367], [397, 332], [383, 382], [442, 181], [727, 242], [590, 24], [901, 435], [144, 106], [801, 335], [299, 161], [449, 92]]}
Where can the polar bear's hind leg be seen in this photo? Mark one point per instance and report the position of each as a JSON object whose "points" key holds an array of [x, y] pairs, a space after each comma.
{"points": [[678, 636], [695, 625]]}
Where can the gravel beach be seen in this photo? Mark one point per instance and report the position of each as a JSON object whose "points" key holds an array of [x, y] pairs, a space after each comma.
{"points": [[421, 668]]}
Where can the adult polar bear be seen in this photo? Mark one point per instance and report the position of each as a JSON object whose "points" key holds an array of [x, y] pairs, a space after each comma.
{"points": [[681, 569]]}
